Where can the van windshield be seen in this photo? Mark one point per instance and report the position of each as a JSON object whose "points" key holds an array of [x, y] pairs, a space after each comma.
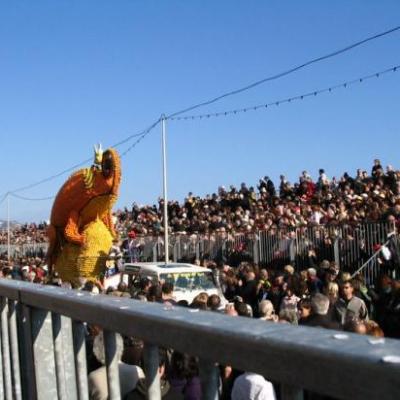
{"points": [[190, 280]]}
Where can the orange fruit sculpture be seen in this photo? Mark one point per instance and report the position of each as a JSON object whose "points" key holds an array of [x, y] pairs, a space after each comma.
{"points": [[81, 228]]}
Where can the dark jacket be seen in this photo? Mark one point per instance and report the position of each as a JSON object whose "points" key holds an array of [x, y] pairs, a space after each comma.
{"points": [[249, 294], [322, 321], [140, 393]]}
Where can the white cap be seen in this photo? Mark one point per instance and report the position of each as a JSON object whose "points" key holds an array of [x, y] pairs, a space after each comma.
{"points": [[251, 386]]}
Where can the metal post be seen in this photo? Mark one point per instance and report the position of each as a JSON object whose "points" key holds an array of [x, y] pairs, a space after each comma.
{"points": [[166, 246], [12, 322], [5, 349], [209, 380], [110, 349], [292, 251], [68, 358], [336, 251], [271, 246], [175, 256], [43, 354], [223, 247], [63, 392], [155, 252], [197, 248], [260, 246], [256, 248], [151, 364], [26, 345], [78, 331]]}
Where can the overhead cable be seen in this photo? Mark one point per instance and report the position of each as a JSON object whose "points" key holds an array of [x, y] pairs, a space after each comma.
{"points": [[144, 132], [287, 72], [37, 183], [288, 99], [142, 136], [31, 198]]}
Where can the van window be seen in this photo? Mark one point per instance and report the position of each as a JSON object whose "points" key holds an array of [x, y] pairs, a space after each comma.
{"points": [[189, 280]]}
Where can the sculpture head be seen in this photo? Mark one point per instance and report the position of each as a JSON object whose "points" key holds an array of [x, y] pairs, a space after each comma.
{"points": [[111, 169], [108, 176]]}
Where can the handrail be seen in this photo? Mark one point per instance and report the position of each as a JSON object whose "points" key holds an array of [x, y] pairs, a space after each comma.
{"points": [[365, 265], [390, 237], [345, 367]]}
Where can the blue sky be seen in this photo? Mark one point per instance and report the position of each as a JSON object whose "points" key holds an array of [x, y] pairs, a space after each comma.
{"points": [[73, 73]]}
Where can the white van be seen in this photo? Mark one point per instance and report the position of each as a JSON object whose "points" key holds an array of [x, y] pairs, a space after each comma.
{"points": [[189, 280]]}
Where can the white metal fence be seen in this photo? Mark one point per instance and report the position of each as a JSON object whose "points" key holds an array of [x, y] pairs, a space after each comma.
{"points": [[350, 246], [25, 250]]}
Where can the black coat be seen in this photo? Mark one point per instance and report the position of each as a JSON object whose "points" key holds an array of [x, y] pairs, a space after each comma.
{"points": [[322, 321]]}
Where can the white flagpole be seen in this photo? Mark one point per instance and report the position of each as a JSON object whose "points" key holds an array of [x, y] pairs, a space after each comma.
{"points": [[166, 242]]}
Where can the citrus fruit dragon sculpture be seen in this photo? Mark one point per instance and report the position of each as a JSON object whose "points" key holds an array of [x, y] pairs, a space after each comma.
{"points": [[81, 227]]}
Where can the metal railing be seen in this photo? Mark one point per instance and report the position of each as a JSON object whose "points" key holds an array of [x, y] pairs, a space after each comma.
{"points": [[373, 267], [369, 270], [25, 250], [349, 245], [43, 347]]}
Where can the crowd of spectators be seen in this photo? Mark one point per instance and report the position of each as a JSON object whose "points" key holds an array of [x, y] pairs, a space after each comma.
{"points": [[25, 234], [348, 200], [320, 296], [373, 197]]}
